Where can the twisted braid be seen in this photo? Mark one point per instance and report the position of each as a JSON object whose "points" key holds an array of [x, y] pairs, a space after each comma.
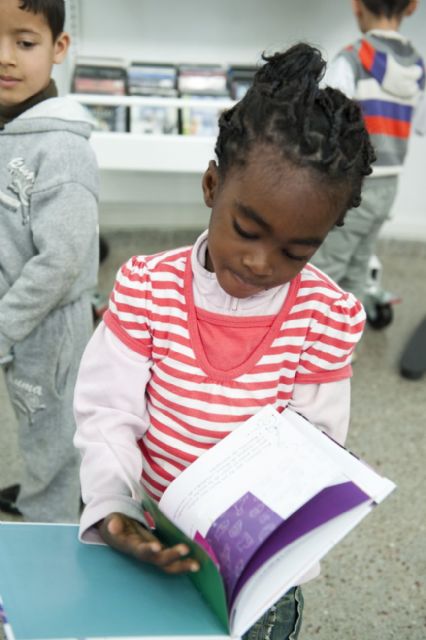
{"points": [[314, 128]]}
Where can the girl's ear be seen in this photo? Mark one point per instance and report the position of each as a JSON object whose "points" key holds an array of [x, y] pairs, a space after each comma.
{"points": [[60, 48], [210, 183]]}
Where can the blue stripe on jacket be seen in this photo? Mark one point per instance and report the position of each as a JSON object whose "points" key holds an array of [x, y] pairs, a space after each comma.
{"points": [[387, 109]]}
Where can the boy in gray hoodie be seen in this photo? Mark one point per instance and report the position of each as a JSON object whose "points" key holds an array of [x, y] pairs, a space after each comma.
{"points": [[49, 252], [386, 75]]}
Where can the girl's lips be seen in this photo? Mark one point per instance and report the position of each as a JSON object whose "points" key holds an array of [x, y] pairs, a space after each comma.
{"points": [[248, 287]]}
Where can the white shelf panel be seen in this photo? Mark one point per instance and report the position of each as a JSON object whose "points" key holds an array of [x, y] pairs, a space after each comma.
{"points": [[206, 103], [155, 153]]}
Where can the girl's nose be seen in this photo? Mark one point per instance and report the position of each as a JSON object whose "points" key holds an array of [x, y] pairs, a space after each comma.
{"points": [[259, 263]]}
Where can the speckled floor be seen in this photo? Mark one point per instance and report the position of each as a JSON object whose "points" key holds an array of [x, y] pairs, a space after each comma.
{"points": [[373, 583]]}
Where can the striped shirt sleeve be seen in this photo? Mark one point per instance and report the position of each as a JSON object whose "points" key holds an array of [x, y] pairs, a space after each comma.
{"points": [[128, 314], [333, 335]]}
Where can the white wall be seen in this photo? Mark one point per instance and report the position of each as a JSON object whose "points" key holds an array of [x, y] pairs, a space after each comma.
{"points": [[232, 31]]}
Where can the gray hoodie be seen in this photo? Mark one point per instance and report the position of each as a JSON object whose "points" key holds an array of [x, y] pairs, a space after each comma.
{"points": [[48, 215]]}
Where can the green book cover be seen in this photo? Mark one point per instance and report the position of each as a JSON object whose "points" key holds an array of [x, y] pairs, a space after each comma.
{"points": [[208, 579]]}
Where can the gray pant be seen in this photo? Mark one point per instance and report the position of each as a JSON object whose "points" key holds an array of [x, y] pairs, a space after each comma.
{"points": [[346, 251], [41, 381]]}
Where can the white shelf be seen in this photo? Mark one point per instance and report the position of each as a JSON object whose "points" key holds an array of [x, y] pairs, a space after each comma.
{"points": [[152, 153]]}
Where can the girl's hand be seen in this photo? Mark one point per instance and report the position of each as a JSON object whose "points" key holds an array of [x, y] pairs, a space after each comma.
{"points": [[130, 537]]}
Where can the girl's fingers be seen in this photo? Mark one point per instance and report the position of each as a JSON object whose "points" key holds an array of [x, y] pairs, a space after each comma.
{"points": [[129, 536]]}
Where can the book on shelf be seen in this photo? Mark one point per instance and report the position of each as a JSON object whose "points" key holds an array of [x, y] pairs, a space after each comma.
{"points": [[258, 511], [261, 508], [200, 83], [104, 77], [240, 79], [154, 119], [153, 80], [206, 79], [197, 120]]}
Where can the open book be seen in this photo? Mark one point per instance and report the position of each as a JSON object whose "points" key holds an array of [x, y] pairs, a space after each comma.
{"points": [[260, 508]]}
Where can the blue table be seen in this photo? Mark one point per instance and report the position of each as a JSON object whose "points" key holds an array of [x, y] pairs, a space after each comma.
{"points": [[54, 587]]}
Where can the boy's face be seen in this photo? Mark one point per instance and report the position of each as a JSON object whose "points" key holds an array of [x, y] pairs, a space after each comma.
{"points": [[27, 53], [268, 219]]}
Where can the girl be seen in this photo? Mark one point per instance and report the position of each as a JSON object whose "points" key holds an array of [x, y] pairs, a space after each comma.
{"points": [[197, 339]]}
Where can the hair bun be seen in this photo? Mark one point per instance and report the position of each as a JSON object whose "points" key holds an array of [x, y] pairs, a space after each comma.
{"points": [[301, 64]]}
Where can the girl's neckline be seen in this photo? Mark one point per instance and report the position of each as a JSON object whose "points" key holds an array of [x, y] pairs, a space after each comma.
{"points": [[265, 343]]}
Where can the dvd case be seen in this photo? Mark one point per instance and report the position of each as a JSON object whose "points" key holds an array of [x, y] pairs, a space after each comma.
{"points": [[204, 79], [156, 80], [240, 79], [200, 83], [93, 77]]}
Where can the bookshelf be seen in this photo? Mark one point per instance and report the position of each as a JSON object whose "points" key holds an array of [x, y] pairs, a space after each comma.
{"points": [[149, 33]]}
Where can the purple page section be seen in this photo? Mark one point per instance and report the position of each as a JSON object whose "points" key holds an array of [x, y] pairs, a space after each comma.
{"points": [[239, 533], [326, 505]]}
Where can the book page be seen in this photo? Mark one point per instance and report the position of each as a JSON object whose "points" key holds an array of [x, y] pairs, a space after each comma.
{"points": [[267, 457], [237, 497], [232, 499]]}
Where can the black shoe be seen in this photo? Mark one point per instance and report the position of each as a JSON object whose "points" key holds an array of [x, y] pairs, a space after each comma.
{"points": [[8, 497], [10, 493]]}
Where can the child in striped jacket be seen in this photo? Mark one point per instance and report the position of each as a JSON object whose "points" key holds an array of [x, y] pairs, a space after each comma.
{"points": [[196, 340], [385, 74]]}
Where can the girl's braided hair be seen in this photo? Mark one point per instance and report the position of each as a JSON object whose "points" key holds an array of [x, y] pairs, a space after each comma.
{"points": [[314, 128]]}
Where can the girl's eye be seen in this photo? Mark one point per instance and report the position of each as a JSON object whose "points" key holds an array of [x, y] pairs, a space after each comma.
{"points": [[290, 255], [244, 234]]}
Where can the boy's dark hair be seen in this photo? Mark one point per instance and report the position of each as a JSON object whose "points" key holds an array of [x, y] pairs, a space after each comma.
{"points": [[315, 128], [386, 8], [52, 10]]}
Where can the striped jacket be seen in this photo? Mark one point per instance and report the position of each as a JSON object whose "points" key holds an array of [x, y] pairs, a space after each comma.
{"points": [[389, 78], [191, 407]]}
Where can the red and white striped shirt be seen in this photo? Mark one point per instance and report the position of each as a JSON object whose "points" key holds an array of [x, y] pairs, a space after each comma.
{"points": [[191, 403]]}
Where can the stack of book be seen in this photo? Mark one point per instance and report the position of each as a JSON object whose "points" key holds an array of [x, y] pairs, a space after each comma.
{"points": [[201, 83], [159, 80], [103, 76]]}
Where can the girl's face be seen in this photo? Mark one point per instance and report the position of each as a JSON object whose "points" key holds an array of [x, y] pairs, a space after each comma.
{"points": [[268, 219]]}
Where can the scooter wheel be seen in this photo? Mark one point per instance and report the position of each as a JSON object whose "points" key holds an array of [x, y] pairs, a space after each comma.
{"points": [[381, 316]]}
